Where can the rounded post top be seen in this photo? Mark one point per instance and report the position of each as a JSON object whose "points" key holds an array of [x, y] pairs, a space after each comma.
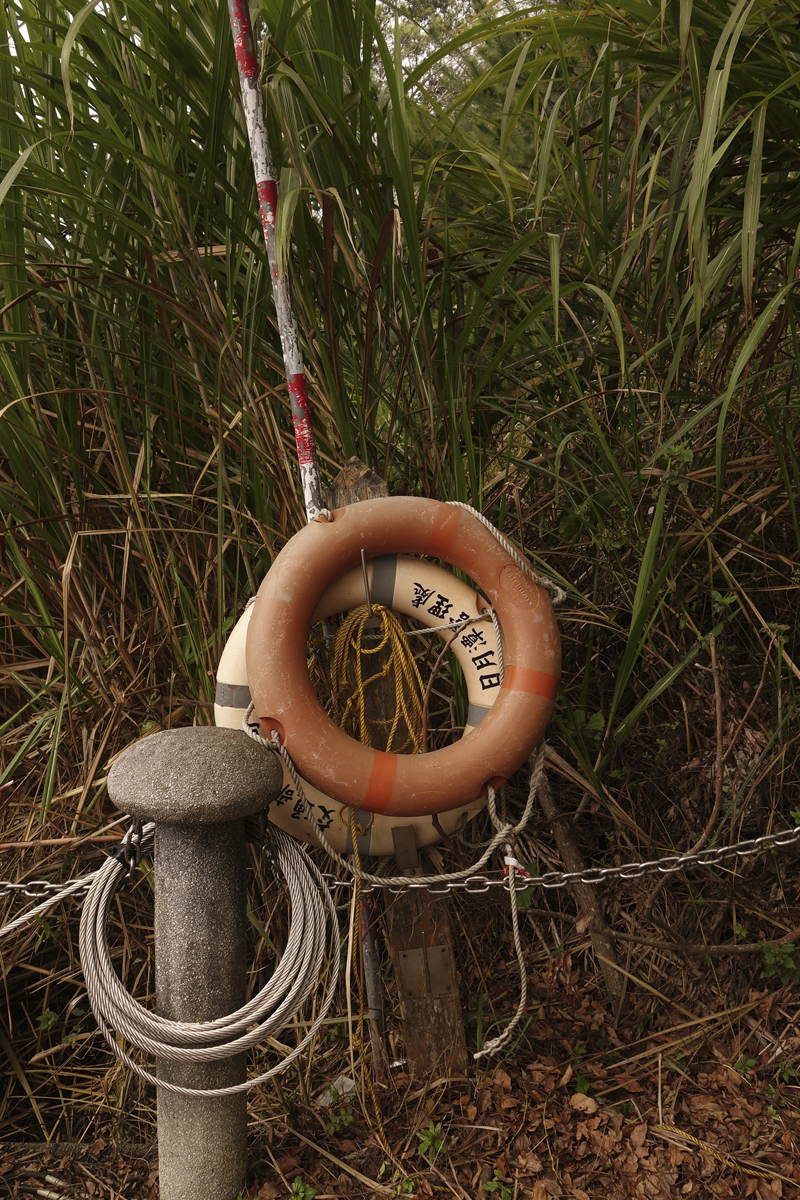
{"points": [[194, 776]]}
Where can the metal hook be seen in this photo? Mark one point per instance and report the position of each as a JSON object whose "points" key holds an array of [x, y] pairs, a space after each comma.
{"points": [[366, 582]]}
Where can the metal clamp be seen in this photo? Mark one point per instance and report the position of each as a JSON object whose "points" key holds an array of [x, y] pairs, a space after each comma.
{"points": [[129, 850]]}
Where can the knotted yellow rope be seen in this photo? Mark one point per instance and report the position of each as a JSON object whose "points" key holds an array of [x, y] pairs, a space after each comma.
{"points": [[349, 685]]}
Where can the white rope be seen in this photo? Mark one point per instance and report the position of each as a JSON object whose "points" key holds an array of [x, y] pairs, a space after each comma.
{"points": [[498, 638], [496, 1044], [294, 978], [486, 615], [544, 581], [506, 834]]}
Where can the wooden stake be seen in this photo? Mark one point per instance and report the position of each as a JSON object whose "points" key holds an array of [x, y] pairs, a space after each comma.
{"points": [[419, 933]]}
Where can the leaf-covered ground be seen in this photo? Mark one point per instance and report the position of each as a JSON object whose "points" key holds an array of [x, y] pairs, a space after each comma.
{"points": [[689, 1096]]}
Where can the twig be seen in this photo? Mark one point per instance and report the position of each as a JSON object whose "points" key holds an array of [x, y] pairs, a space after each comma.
{"points": [[751, 705], [372, 1184], [718, 765], [62, 841], [585, 895], [712, 820], [428, 689], [698, 950]]}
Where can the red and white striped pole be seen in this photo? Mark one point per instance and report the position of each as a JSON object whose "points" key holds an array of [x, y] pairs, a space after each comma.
{"points": [[246, 60]]}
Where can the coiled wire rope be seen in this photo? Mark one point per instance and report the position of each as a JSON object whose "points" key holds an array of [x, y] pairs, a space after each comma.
{"points": [[296, 975]]}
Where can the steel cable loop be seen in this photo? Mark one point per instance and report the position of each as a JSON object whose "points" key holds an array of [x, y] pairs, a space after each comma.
{"points": [[295, 977], [201, 1033], [290, 971]]}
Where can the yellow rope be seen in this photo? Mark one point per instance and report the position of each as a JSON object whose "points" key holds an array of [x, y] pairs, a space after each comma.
{"points": [[727, 1159], [349, 685]]}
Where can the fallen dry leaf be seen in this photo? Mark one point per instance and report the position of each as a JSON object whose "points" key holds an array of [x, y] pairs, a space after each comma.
{"points": [[583, 1103], [639, 1134], [565, 1078]]}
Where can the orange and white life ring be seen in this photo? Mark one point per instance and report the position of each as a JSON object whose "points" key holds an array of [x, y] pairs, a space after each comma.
{"points": [[435, 597], [289, 599]]}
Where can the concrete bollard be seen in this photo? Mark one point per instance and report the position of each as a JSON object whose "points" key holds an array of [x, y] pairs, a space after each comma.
{"points": [[198, 785]]}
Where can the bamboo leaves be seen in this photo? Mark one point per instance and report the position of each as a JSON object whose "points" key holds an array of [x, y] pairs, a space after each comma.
{"points": [[532, 265], [752, 203], [66, 53], [8, 180]]}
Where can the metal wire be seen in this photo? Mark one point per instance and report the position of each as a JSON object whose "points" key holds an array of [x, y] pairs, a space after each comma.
{"points": [[294, 978]]}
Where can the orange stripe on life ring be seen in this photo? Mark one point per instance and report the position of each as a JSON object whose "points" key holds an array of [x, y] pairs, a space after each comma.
{"points": [[535, 683], [444, 535], [381, 782]]}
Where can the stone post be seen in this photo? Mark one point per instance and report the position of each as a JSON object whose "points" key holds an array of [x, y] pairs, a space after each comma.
{"points": [[198, 785]]}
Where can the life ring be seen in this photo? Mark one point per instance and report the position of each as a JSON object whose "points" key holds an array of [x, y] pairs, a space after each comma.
{"points": [[432, 595], [400, 785]]}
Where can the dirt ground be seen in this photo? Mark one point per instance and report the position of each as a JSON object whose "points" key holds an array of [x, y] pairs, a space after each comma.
{"points": [[680, 1097]]}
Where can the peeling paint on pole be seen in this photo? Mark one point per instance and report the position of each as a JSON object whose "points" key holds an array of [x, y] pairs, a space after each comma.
{"points": [[268, 202]]}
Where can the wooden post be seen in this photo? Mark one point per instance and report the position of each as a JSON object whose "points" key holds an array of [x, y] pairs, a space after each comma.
{"points": [[419, 934], [420, 942]]}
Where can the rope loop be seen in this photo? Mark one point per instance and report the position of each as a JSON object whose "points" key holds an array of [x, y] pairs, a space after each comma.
{"points": [[296, 975], [505, 834]]}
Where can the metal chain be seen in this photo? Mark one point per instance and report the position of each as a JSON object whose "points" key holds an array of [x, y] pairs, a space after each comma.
{"points": [[131, 847], [469, 879], [62, 892], [34, 889], [49, 894], [479, 884], [37, 889]]}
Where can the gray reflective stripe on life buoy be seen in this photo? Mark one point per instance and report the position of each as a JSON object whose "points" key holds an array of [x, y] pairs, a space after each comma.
{"points": [[476, 713], [364, 820], [384, 573], [232, 695]]}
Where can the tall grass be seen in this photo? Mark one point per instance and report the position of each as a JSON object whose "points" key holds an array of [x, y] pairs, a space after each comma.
{"points": [[549, 270]]}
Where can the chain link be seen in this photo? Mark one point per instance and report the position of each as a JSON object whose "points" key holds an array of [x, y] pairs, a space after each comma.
{"points": [[131, 847], [34, 889]]}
